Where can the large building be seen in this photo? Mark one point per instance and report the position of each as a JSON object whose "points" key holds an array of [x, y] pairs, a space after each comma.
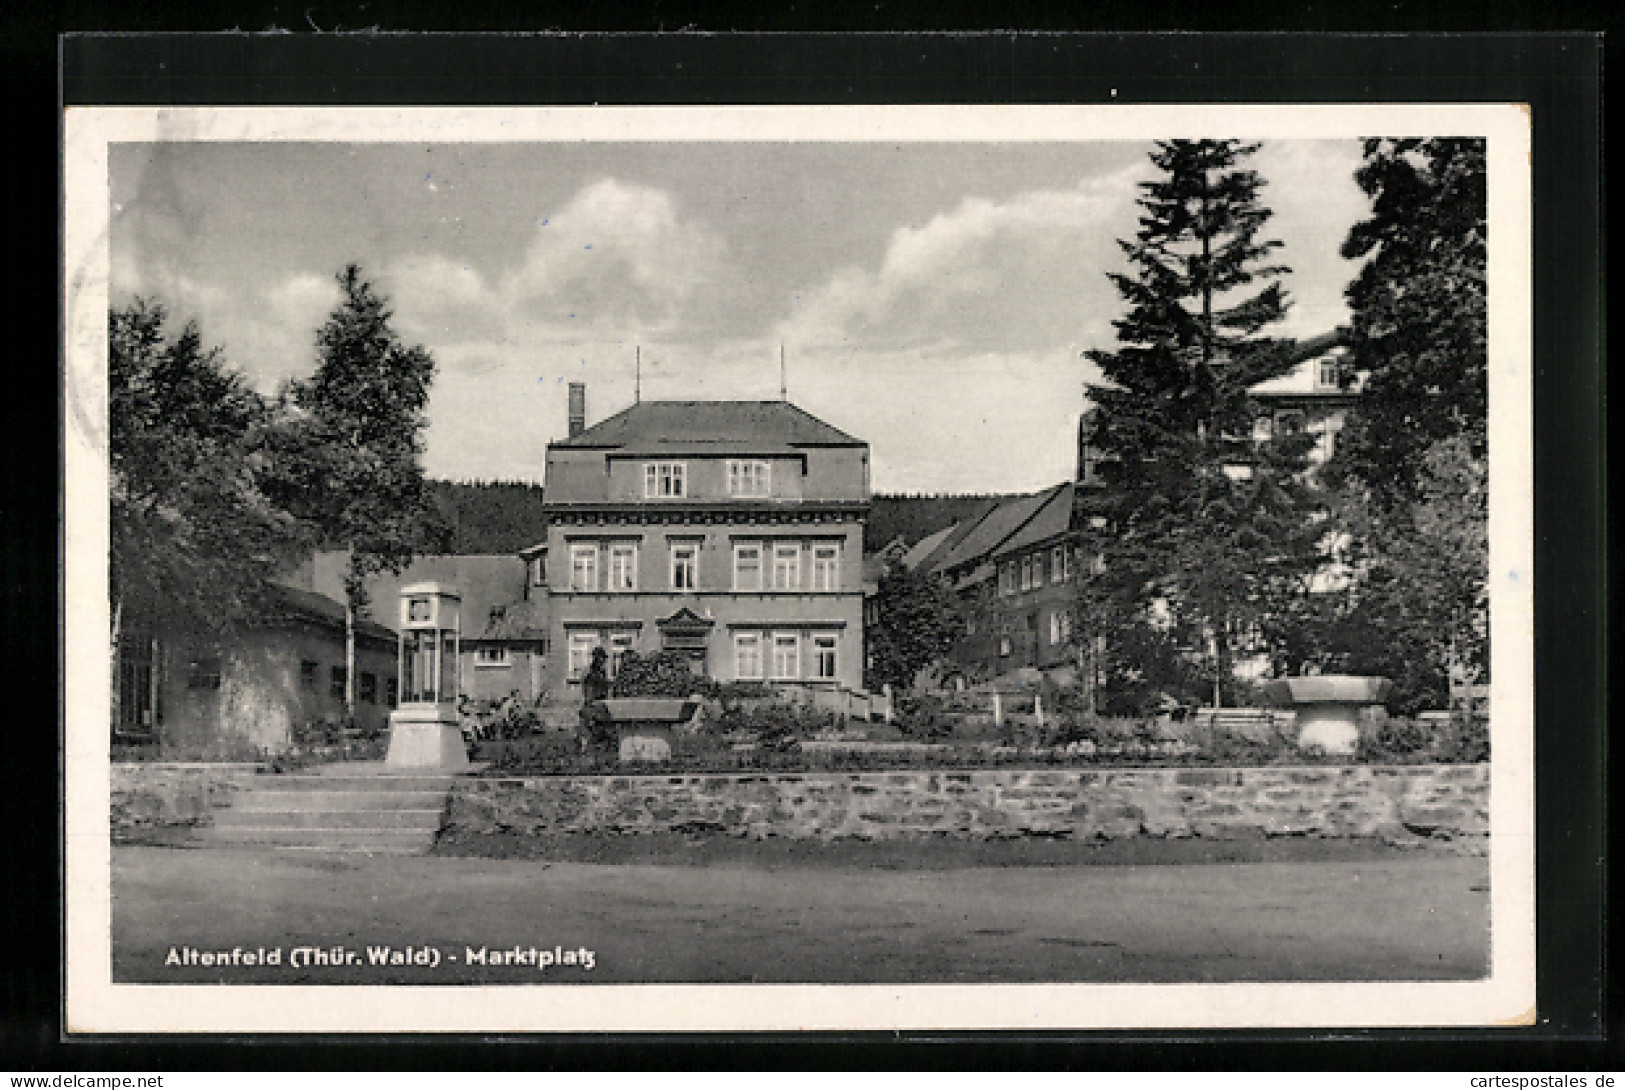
{"points": [[727, 531]]}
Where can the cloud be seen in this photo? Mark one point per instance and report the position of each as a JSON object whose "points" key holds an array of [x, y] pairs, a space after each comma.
{"points": [[1017, 275], [617, 258], [617, 265]]}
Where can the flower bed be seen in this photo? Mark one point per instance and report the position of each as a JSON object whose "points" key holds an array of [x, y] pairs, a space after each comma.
{"points": [[700, 752]]}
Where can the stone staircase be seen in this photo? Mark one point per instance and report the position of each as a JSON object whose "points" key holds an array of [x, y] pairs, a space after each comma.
{"points": [[352, 807]]}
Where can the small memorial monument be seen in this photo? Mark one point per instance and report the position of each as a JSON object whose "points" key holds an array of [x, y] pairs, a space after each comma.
{"points": [[425, 731]]}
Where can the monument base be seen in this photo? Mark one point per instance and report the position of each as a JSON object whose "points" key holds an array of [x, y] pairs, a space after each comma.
{"points": [[426, 737]]}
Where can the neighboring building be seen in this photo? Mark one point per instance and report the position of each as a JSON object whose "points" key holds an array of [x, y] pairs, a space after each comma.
{"points": [[1314, 396], [728, 531], [236, 696], [504, 616], [1013, 567]]}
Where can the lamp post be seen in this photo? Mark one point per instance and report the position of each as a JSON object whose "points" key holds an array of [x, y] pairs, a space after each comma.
{"points": [[425, 731]]}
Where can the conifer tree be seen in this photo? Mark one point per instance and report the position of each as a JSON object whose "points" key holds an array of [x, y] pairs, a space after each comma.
{"points": [[1204, 528]]}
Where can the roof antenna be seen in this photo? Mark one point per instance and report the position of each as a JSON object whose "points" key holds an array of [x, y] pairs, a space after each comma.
{"points": [[637, 375], [784, 394]]}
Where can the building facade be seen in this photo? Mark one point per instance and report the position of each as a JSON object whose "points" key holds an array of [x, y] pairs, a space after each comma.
{"points": [[1014, 568], [243, 693], [728, 532]]}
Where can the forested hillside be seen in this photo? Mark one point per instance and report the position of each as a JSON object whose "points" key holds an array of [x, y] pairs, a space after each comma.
{"points": [[490, 516], [506, 516]]}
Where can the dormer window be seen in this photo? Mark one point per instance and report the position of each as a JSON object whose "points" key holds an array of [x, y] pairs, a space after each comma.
{"points": [[748, 478], [665, 480], [1326, 375]]}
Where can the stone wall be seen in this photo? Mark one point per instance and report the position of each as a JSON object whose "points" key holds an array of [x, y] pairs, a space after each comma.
{"points": [[153, 796], [1397, 803]]}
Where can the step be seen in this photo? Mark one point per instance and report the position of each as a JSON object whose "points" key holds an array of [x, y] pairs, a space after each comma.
{"points": [[416, 840], [261, 799], [240, 818]]}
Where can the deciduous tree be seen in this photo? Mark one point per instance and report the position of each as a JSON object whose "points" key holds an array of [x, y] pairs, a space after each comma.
{"points": [[918, 624], [1419, 328], [349, 456], [194, 535]]}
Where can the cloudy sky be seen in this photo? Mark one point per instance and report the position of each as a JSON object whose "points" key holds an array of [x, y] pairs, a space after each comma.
{"points": [[933, 299]]}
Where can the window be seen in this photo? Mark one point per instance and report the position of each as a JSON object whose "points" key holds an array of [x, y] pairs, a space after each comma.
{"points": [[1007, 578], [619, 644], [307, 676], [1004, 644], [823, 657], [664, 480], [786, 655], [747, 567], [203, 673], [584, 567], [787, 566], [685, 563], [391, 693], [491, 656], [1327, 375], [1066, 562], [1066, 625], [623, 567], [335, 684], [418, 611], [826, 572], [747, 478], [367, 691], [748, 655], [1055, 627], [1057, 564], [1027, 573], [581, 648]]}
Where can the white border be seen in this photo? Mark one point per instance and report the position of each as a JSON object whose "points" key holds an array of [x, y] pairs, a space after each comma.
{"points": [[96, 1005]]}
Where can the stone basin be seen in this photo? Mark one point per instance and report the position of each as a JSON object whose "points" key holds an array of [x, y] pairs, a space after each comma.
{"points": [[645, 726], [1328, 707], [648, 709]]}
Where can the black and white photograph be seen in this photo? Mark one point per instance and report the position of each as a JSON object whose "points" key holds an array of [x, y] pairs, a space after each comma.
{"points": [[790, 568]]}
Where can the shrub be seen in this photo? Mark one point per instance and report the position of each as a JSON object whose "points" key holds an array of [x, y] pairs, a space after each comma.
{"points": [[540, 753], [505, 718], [1468, 741], [922, 715], [664, 673], [1394, 739]]}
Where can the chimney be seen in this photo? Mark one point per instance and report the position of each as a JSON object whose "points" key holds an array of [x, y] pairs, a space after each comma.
{"points": [[578, 408]]}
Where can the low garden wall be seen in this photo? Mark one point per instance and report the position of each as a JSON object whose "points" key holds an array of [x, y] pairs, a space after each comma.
{"points": [[151, 795], [1393, 802]]}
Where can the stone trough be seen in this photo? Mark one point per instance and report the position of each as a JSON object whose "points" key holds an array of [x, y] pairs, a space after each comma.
{"points": [[1328, 707], [646, 727]]}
